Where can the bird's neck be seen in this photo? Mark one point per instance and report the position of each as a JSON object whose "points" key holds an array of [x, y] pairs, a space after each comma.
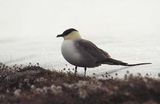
{"points": [[73, 36]]}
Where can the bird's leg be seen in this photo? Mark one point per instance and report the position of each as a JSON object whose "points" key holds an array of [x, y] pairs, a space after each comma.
{"points": [[75, 70], [85, 69]]}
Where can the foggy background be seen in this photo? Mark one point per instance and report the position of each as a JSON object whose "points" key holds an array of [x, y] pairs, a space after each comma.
{"points": [[127, 29]]}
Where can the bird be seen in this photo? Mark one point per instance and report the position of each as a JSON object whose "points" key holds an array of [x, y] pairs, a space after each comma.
{"points": [[84, 53]]}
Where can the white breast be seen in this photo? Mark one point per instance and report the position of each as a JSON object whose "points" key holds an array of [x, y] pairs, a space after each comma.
{"points": [[70, 52]]}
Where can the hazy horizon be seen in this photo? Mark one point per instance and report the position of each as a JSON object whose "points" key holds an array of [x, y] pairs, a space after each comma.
{"points": [[92, 17]]}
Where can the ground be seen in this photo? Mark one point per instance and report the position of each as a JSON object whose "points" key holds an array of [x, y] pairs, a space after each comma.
{"points": [[33, 84]]}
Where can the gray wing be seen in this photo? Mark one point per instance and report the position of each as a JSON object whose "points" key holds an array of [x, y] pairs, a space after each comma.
{"points": [[92, 50]]}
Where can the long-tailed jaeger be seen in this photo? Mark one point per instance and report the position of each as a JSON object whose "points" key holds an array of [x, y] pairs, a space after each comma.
{"points": [[83, 53]]}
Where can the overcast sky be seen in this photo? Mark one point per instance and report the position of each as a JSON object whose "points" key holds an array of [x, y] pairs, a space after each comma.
{"points": [[94, 17]]}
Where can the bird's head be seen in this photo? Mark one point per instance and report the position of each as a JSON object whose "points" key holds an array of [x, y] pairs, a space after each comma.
{"points": [[70, 34]]}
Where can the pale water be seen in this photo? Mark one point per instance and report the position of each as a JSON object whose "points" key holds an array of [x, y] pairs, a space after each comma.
{"points": [[46, 51]]}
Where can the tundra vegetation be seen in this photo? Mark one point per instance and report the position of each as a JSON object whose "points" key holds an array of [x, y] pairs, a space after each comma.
{"points": [[33, 84]]}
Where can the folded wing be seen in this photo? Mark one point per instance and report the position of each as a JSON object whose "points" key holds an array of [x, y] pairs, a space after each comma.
{"points": [[91, 50]]}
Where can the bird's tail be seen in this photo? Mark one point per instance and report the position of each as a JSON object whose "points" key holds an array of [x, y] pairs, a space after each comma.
{"points": [[111, 61]]}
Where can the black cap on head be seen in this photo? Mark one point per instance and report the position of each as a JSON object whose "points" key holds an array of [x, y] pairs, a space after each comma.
{"points": [[66, 32]]}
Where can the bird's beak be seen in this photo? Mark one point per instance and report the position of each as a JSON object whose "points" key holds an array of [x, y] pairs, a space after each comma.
{"points": [[60, 35]]}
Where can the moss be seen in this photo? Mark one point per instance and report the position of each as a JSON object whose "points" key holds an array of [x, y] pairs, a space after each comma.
{"points": [[36, 85]]}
